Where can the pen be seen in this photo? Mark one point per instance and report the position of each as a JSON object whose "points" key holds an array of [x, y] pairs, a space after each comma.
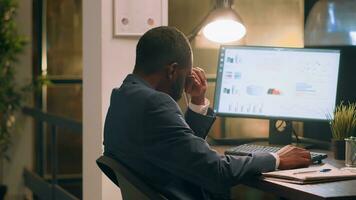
{"points": [[304, 172], [311, 171]]}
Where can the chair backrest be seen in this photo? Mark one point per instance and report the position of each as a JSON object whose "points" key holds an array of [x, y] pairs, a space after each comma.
{"points": [[132, 187]]}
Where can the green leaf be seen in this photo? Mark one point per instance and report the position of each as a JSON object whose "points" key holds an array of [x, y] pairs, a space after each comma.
{"points": [[11, 44]]}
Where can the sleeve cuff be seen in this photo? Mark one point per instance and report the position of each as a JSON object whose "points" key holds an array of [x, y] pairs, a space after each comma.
{"points": [[200, 109], [276, 156]]}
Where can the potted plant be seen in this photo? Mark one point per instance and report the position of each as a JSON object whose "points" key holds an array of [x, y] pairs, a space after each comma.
{"points": [[11, 44], [343, 125]]}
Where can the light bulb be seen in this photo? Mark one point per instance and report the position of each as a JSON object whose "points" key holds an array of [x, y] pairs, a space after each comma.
{"points": [[224, 31]]}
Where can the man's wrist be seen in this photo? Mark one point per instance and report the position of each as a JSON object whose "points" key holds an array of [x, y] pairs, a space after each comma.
{"points": [[276, 156], [198, 100], [201, 109]]}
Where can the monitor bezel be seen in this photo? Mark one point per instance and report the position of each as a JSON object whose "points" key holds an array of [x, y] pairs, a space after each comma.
{"points": [[285, 118]]}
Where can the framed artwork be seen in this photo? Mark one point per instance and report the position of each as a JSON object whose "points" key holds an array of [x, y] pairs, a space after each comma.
{"points": [[135, 17]]}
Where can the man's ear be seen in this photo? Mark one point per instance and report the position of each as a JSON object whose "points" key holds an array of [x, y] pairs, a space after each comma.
{"points": [[171, 70]]}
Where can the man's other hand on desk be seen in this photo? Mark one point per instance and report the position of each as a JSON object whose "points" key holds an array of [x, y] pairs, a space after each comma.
{"points": [[291, 157]]}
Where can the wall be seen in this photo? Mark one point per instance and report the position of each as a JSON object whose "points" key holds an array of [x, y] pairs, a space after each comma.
{"points": [[22, 150], [106, 62]]}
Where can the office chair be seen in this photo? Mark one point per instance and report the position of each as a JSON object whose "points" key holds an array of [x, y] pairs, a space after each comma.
{"points": [[132, 187]]}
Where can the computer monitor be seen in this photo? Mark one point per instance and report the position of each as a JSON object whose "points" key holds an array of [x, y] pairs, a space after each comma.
{"points": [[276, 83]]}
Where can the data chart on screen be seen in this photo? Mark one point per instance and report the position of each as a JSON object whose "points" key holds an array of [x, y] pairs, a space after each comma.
{"points": [[290, 83]]}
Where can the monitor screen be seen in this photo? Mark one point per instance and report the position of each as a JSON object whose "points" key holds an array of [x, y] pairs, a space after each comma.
{"points": [[276, 83]]}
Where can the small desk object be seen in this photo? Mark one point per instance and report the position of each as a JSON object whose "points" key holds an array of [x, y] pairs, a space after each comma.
{"points": [[320, 191]]}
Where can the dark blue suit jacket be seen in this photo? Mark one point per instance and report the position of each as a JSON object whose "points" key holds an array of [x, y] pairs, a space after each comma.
{"points": [[146, 130]]}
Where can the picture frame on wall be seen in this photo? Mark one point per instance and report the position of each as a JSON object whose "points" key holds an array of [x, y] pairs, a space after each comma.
{"points": [[135, 17]]}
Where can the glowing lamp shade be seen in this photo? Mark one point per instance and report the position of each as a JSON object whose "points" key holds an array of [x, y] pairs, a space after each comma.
{"points": [[331, 23], [224, 30], [223, 25]]}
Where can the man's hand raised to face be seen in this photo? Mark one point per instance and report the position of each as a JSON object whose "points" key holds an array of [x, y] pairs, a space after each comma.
{"points": [[291, 157], [196, 85]]}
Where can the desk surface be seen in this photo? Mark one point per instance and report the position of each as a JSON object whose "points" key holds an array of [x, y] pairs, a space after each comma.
{"points": [[332, 190]]}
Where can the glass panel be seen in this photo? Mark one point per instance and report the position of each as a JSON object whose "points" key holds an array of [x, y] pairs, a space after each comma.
{"points": [[69, 144], [63, 40], [73, 188], [64, 37], [65, 100]]}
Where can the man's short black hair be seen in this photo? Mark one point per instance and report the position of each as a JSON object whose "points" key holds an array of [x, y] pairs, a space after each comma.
{"points": [[162, 46]]}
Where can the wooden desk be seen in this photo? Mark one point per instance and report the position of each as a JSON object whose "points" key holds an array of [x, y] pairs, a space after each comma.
{"points": [[332, 190]]}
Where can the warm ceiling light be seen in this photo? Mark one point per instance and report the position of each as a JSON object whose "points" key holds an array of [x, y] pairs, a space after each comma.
{"points": [[222, 25], [224, 30]]}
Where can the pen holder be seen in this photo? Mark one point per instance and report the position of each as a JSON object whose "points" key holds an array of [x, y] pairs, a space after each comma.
{"points": [[350, 152]]}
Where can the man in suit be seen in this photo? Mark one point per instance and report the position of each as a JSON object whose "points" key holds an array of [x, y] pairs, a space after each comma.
{"points": [[146, 130]]}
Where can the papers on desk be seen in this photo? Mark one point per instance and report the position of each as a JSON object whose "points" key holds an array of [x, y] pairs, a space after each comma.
{"points": [[313, 174]]}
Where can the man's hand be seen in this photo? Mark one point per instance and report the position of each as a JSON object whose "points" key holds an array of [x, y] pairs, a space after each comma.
{"points": [[291, 157], [196, 85]]}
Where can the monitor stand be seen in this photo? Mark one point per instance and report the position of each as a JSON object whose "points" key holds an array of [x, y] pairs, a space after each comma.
{"points": [[280, 132]]}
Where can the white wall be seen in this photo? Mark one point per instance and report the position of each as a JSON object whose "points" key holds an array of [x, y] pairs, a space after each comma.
{"points": [[92, 120], [21, 151], [106, 62]]}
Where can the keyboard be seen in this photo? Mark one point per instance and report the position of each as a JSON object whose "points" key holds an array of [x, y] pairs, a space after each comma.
{"points": [[246, 149]]}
